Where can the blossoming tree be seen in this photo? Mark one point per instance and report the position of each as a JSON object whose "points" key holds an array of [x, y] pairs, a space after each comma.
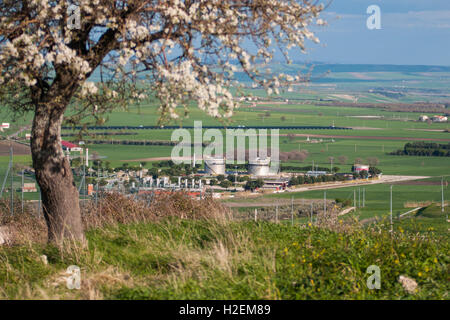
{"points": [[186, 49]]}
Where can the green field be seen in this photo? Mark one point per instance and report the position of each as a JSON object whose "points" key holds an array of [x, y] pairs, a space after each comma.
{"points": [[186, 259], [173, 258], [371, 137]]}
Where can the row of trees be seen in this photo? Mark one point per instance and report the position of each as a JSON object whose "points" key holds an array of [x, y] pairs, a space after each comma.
{"points": [[422, 107], [136, 142], [299, 180], [103, 133], [424, 149], [307, 168]]}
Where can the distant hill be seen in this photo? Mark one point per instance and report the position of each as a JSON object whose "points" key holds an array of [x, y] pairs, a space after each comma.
{"points": [[323, 67], [319, 68]]}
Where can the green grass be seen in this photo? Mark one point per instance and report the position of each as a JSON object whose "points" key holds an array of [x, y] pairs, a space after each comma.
{"points": [[428, 220], [184, 259], [377, 197]]}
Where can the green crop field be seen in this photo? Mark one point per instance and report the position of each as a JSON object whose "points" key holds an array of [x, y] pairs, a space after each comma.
{"points": [[377, 197], [376, 132]]}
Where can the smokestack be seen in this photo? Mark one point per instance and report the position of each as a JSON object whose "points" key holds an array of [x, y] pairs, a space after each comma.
{"points": [[87, 157], [179, 182]]}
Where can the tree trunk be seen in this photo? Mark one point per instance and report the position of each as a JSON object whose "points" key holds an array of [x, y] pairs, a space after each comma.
{"points": [[60, 197]]}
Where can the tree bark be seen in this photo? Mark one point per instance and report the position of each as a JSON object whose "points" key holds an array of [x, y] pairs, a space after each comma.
{"points": [[60, 196]]}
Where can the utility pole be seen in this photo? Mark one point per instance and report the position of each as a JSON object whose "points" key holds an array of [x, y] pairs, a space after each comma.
{"points": [[84, 175], [364, 197], [84, 172], [22, 191], [354, 198], [325, 203], [98, 178], [359, 197], [12, 180], [276, 214], [311, 218], [392, 227], [40, 200], [443, 202], [292, 211], [256, 215]]}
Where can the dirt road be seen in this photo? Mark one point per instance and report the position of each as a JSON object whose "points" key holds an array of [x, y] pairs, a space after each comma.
{"points": [[260, 201], [386, 179], [18, 148]]}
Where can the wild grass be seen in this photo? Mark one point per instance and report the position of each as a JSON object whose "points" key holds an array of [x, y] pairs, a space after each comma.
{"points": [[186, 251]]}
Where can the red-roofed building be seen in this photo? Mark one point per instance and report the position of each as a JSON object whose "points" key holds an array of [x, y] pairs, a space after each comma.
{"points": [[439, 119], [71, 147]]}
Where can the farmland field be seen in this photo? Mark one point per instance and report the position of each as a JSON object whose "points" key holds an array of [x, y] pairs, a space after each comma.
{"points": [[373, 133]]}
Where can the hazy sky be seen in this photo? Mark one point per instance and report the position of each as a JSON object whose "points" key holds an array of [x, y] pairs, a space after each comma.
{"points": [[412, 32]]}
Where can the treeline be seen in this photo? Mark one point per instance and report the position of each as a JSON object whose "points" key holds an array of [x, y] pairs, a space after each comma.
{"points": [[307, 168], [426, 149], [140, 142], [422, 107], [105, 133], [299, 180]]}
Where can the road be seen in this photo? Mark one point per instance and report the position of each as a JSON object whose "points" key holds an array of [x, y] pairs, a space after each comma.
{"points": [[386, 179], [260, 201]]}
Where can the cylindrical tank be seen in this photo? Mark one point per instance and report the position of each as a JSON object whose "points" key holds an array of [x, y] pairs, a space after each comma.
{"points": [[259, 167], [215, 166]]}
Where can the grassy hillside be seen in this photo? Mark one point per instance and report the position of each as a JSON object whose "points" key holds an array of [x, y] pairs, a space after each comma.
{"points": [[186, 259], [180, 248]]}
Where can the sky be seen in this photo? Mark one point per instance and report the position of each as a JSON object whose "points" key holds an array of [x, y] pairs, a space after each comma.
{"points": [[415, 32]]}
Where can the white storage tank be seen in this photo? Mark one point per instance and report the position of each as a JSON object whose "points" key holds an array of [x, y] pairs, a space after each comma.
{"points": [[215, 166], [259, 167]]}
